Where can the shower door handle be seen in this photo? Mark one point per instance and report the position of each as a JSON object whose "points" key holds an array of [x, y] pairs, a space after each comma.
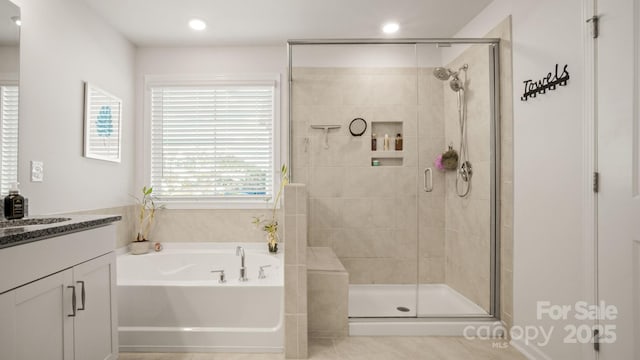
{"points": [[428, 180]]}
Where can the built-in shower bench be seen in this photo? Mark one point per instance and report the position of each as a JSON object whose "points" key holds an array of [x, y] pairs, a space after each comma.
{"points": [[327, 294]]}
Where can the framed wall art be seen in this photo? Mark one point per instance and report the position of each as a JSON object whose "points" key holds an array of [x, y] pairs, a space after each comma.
{"points": [[102, 124]]}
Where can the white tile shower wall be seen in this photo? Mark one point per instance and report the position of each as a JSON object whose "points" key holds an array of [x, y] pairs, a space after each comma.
{"points": [[368, 215], [467, 230]]}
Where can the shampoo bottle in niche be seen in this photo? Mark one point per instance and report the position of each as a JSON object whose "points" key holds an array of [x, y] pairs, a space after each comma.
{"points": [[399, 142], [386, 142], [14, 204]]}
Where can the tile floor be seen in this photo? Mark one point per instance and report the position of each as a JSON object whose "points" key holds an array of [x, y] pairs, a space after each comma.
{"points": [[371, 348]]}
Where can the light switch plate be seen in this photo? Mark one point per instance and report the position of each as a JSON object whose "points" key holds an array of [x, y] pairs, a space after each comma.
{"points": [[37, 171]]}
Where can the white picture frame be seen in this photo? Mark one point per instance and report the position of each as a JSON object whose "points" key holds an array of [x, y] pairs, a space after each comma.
{"points": [[102, 124]]}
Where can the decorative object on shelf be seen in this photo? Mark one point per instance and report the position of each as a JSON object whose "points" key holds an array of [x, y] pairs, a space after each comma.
{"points": [[102, 118], [147, 208], [448, 160], [326, 129], [399, 142], [271, 226], [357, 127], [549, 82]]}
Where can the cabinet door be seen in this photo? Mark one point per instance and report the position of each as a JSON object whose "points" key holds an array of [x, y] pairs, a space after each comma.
{"points": [[35, 320], [96, 327]]}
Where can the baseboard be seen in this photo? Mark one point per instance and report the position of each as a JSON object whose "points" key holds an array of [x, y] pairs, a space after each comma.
{"points": [[529, 351]]}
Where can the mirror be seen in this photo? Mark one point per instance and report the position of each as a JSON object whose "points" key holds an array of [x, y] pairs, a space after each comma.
{"points": [[9, 77]]}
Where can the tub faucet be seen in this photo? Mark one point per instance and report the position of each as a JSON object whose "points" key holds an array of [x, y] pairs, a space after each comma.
{"points": [[243, 269]]}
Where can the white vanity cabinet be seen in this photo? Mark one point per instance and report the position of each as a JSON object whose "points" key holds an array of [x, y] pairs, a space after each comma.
{"points": [[95, 323], [70, 313]]}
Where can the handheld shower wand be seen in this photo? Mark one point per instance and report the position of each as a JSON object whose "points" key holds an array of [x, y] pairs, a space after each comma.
{"points": [[464, 171]]}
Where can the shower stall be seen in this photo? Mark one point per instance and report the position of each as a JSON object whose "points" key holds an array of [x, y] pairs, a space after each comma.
{"points": [[409, 204]]}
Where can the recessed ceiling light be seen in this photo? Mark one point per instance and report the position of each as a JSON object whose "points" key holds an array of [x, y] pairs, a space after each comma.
{"points": [[16, 20], [197, 24], [390, 28]]}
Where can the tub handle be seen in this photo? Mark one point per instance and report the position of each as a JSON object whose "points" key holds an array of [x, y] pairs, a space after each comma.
{"points": [[223, 278], [261, 274]]}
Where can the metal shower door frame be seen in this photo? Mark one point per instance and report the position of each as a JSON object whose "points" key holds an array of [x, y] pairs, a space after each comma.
{"points": [[494, 76]]}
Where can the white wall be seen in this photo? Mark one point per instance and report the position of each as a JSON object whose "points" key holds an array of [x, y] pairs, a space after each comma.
{"points": [[63, 44], [9, 62], [549, 180]]}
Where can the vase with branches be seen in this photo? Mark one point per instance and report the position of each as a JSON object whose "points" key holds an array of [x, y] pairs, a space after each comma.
{"points": [[147, 209], [270, 225]]}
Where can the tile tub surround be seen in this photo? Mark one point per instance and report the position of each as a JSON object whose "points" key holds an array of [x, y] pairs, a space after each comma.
{"points": [[191, 225], [328, 294], [371, 348], [13, 236], [295, 270]]}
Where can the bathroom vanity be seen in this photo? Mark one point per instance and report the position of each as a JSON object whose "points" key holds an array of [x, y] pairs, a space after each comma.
{"points": [[57, 290]]}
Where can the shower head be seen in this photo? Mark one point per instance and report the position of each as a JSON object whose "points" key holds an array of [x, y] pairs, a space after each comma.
{"points": [[455, 84], [442, 73]]}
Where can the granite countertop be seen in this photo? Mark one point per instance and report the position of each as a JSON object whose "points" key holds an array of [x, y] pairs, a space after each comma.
{"points": [[12, 233]]}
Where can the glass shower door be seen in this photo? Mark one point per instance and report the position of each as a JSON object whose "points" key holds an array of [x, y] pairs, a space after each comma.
{"points": [[454, 215]]}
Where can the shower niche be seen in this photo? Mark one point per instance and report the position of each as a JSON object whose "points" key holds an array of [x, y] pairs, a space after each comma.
{"points": [[413, 247], [389, 156]]}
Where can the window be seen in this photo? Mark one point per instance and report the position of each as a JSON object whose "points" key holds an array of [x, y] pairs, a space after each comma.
{"points": [[213, 142], [8, 137]]}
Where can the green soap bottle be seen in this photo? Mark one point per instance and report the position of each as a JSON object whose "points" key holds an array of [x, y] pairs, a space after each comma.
{"points": [[14, 204]]}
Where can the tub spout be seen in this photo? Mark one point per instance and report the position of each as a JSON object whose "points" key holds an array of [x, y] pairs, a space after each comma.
{"points": [[243, 269]]}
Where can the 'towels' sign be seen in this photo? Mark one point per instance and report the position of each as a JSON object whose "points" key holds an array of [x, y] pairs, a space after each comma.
{"points": [[549, 82]]}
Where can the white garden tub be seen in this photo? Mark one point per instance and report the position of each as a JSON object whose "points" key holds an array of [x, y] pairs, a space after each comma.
{"points": [[170, 301]]}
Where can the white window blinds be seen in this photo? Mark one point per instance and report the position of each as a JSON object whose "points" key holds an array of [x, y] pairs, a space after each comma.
{"points": [[212, 143], [9, 137]]}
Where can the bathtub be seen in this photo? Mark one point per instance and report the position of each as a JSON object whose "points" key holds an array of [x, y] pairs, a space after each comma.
{"points": [[169, 301]]}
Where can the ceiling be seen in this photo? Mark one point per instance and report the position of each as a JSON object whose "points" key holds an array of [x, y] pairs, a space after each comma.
{"points": [[270, 22]]}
